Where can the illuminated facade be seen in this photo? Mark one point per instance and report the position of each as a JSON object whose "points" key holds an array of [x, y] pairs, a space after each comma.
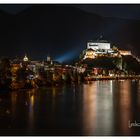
{"points": [[99, 48], [124, 52], [103, 48], [101, 45], [48, 58], [25, 59], [90, 53]]}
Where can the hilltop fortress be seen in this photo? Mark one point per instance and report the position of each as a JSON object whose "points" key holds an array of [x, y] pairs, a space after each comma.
{"points": [[102, 48]]}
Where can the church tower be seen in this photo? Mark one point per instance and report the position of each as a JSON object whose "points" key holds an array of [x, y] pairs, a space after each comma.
{"points": [[25, 59]]}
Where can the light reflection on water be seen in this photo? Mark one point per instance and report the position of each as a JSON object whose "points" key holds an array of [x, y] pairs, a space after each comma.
{"points": [[31, 109], [100, 108], [124, 106]]}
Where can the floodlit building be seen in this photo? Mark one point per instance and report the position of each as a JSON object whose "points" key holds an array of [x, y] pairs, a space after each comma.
{"points": [[124, 52], [98, 45], [90, 53], [25, 59], [48, 58], [97, 48], [102, 48]]}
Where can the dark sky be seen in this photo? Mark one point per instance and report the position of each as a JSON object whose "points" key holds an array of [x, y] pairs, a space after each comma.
{"points": [[120, 11], [13, 9], [106, 10], [64, 32]]}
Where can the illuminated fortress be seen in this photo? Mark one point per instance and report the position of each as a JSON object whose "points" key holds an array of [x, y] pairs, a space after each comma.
{"points": [[102, 48]]}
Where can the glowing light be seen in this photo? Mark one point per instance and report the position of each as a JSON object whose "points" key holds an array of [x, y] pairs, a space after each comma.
{"points": [[95, 45], [89, 54], [98, 108], [124, 52], [125, 105], [32, 100], [67, 56], [25, 58]]}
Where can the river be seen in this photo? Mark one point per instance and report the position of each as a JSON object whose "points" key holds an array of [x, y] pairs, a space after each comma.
{"points": [[100, 108]]}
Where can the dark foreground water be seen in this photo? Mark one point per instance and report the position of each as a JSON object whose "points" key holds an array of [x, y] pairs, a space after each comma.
{"points": [[100, 108]]}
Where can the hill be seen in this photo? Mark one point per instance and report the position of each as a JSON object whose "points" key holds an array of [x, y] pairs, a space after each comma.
{"points": [[127, 64], [62, 32]]}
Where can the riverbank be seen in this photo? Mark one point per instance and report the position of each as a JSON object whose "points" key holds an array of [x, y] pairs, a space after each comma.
{"points": [[32, 84], [95, 78]]}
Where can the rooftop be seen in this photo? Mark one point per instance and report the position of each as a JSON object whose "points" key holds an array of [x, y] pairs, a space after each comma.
{"points": [[98, 41]]}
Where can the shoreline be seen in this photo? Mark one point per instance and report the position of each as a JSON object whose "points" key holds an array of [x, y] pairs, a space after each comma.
{"points": [[86, 80], [96, 78]]}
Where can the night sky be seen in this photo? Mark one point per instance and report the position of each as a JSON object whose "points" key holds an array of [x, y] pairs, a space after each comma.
{"points": [[119, 11], [12, 8], [107, 10], [62, 31]]}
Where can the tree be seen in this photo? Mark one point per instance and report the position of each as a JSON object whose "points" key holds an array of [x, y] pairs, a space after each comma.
{"points": [[114, 48], [21, 74], [5, 73]]}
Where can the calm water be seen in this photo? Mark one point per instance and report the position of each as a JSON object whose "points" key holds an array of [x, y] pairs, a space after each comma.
{"points": [[100, 108]]}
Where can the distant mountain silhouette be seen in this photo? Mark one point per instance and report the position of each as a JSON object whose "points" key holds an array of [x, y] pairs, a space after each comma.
{"points": [[62, 31]]}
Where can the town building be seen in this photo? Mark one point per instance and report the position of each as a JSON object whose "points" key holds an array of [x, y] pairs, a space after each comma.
{"points": [[124, 52], [98, 45], [90, 53]]}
